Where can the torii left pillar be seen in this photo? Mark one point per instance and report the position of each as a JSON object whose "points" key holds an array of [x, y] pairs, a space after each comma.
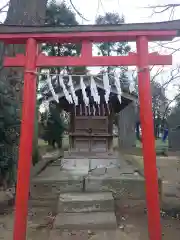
{"points": [[26, 141]]}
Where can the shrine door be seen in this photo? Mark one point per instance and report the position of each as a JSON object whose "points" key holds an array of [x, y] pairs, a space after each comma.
{"points": [[91, 132]]}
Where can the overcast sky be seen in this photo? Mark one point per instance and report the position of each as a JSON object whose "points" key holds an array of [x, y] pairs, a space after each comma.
{"points": [[133, 10]]}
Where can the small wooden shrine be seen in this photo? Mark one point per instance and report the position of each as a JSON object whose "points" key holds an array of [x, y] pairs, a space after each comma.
{"points": [[92, 112]]}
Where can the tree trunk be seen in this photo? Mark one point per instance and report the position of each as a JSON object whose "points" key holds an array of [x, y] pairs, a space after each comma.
{"points": [[24, 12]]}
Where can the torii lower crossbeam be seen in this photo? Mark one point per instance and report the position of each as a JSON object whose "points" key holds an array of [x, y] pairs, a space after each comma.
{"points": [[142, 59]]}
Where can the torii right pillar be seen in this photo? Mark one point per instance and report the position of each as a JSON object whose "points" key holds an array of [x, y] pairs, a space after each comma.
{"points": [[148, 140]]}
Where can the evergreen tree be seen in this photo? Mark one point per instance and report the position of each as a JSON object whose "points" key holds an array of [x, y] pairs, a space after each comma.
{"points": [[9, 134], [112, 48], [59, 14], [54, 126]]}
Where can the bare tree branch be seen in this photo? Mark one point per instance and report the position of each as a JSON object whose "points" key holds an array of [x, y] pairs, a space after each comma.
{"points": [[175, 72], [172, 77], [166, 44], [159, 71], [168, 105], [164, 6], [102, 6], [77, 11], [97, 11], [168, 47], [3, 7], [172, 13], [156, 9], [3, 10]]}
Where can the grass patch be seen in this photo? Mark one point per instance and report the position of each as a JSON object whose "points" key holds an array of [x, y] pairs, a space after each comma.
{"points": [[160, 146], [158, 142]]}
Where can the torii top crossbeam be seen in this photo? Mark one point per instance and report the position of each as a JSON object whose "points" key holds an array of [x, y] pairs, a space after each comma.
{"points": [[142, 33], [122, 32]]}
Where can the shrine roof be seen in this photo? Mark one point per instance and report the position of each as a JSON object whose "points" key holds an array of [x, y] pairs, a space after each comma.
{"points": [[76, 82]]}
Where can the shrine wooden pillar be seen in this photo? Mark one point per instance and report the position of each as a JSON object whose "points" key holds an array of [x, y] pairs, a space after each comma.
{"points": [[148, 140]]}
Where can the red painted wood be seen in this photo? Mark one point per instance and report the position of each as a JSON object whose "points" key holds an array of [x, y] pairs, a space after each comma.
{"points": [[101, 61], [148, 140], [18, 61], [86, 60], [74, 37], [26, 139], [86, 50]]}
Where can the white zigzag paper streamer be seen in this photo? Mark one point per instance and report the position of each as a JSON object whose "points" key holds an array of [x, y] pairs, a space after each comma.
{"points": [[72, 97], [55, 96], [66, 93], [107, 87], [75, 98], [94, 91], [83, 87], [131, 81], [118, 87]]}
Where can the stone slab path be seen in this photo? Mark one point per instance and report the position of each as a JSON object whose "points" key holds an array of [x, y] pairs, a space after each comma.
{"points": [[74, 169]]}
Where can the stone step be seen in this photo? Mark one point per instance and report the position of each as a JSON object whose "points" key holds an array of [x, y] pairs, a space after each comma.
{"points": [[48, 205], [51, 188], [86, 202], [43, 202], [44, 191], [127, 187], [41, 211], [89, 221]]}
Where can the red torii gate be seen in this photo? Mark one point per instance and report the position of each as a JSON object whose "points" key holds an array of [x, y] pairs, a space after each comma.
{"points": [[32, 36]]}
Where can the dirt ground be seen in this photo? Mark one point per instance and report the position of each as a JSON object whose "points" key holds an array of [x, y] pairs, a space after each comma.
{"points": [[136, 227], [131, 226]]}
